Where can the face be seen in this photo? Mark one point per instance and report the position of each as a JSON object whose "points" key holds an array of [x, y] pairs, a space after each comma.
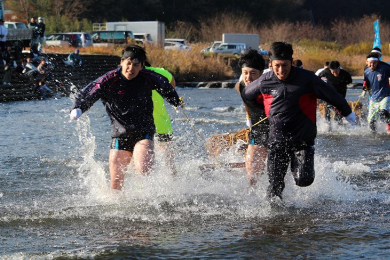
{"points": [[131, 68], [335, 72], [281, 68], [372, 64], [250, 74]]}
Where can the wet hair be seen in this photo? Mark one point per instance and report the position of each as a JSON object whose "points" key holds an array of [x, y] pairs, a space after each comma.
{"points": [[252, 59], [281, 51], [334, 64], [134, 52]]}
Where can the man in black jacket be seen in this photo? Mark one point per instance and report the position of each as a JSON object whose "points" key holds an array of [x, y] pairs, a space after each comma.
{"points": [[289, 95], [339, 79]]}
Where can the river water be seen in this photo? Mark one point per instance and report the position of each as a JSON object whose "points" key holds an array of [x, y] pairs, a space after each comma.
{"points": [[55, 201]]}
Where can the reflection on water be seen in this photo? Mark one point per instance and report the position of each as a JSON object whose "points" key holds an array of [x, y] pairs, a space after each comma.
{"points": [[55, 199]]}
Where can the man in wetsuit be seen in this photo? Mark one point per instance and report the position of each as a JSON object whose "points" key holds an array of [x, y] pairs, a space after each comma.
{"points": [[162, 121], [289, 96], [126, 93], [252, 65], [339, 79], [376, 80]]}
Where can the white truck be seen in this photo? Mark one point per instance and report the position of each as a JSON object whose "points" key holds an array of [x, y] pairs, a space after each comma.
{"points": [[155, 29], [18, 37], [251, 40]]}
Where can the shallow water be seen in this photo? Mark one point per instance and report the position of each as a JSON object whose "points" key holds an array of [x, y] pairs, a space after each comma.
{"points": [[55, 201]]}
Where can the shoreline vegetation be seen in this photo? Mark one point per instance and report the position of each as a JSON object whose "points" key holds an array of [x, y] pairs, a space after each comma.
{"points": [[346, 41]]}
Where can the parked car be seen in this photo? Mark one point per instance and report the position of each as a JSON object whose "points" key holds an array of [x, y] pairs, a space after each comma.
{"points": [[86, 38], [176, 44], [112, 37], [143, 38], [63, 39], [235, 49], [213, 46]]}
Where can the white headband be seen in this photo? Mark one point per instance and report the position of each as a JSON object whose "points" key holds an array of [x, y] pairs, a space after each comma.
{"points": [[372, 59], [376, 51]]}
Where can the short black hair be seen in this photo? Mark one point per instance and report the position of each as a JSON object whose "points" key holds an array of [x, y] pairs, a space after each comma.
{"points": [[281, 51], [252, 59], [134, 51], [334, 64], [297, 63], [327, 63]]}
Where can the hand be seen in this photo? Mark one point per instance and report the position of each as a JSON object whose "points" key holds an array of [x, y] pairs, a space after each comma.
{"points": [[351, 118], [75, 114], [249, 122], [181, 102], [178, 109]]}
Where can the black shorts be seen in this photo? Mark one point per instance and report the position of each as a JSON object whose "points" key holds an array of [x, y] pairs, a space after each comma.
{"points": [[128, 143], [164, 137], [259, 135]]}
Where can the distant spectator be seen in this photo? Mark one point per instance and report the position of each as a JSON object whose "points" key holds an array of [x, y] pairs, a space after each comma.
{"points": [[34, 26], [326, 65], [41, 33], [44, 70], [74, 59], [9, 66], [3, 35], [297, 63], [35, 54], [44, 90]]}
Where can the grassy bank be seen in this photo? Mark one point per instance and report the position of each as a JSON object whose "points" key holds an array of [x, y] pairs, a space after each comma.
{"points": [[192, 66]]}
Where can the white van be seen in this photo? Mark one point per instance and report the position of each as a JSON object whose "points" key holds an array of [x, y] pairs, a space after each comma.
{"points": [[230, 48], [86, 38], [143, 37]]}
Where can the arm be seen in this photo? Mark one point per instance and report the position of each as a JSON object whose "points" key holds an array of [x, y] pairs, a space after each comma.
{"points": [[163, 87], [327, 93], [89, 94]]}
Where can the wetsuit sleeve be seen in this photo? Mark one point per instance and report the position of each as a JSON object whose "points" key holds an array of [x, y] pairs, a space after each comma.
{"points": [[329, 94], [89, 95], [165, 89], [252, 96]]}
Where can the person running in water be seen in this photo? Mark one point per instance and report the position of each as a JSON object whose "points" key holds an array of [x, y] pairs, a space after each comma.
{"points": [[289, 96], [376, 81], [126, 93], [252, 65], [162, 121], [339, 79]]}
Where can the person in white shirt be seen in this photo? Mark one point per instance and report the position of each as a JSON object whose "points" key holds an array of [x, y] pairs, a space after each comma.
{"points": [[326, 65], [3, 35]]}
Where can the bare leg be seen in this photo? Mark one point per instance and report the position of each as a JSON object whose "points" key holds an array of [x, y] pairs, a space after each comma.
{"points": [[169, 157], [118, 162], [144, 156], [255, 162]]}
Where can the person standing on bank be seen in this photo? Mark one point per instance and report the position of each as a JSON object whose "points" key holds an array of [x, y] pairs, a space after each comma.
{"points": [[376, 80], [339, 79], [252, 65], [289, 96], [34, 27], [3, 36], [41, 28], [126, 93]]}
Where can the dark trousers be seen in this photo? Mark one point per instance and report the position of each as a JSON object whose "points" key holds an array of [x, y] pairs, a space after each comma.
{"points": [[301, 158]]}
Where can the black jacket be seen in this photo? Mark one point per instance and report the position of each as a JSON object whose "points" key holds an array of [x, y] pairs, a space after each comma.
{"points": [[291, 105], [128, 102], [339, 83]]}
